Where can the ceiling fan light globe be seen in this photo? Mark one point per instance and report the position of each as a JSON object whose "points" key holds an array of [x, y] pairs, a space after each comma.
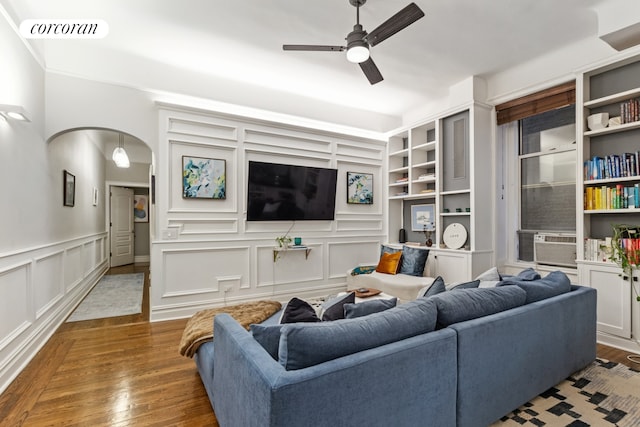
{"points": [[357, 54]]}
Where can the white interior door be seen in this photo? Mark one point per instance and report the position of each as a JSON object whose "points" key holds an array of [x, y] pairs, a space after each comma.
{"points": [[121, 232]]}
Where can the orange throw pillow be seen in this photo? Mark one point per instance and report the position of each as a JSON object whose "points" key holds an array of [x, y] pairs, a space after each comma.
{"points": [[389, 263]]}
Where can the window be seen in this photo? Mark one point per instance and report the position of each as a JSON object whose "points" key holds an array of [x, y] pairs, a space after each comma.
{"points": [[538, 135], [547, 161]]}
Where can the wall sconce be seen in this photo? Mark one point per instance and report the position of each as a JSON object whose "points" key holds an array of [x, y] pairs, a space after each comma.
{"points": [[119, 156], [14, 112]]}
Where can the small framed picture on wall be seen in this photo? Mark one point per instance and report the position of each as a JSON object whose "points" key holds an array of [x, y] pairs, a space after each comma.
{"points": [[422, 218], [69, 189], [360, 188]]}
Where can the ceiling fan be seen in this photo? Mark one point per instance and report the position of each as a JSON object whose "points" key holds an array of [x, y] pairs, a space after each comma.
{"points": [[358, 41]]}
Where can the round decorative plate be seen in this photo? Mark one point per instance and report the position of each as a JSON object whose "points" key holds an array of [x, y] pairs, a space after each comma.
{"points": [[455, 236]]}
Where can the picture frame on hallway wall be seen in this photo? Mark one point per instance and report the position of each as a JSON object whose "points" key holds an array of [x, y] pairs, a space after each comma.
{"points": [[68, 189], [140, 208], [203, 178], [359, 188]]}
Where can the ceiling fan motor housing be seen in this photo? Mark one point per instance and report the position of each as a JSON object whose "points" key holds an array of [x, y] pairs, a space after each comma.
{"points": [[357, 3]]}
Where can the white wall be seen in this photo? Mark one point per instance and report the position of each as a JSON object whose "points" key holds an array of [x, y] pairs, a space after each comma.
{"points": [[216, 248]]}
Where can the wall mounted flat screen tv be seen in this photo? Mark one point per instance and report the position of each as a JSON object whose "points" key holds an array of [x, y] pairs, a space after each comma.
{"points": [[278, 192]]}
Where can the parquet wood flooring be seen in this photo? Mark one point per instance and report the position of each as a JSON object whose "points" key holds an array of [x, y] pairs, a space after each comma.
{"points": [[121, 372]]}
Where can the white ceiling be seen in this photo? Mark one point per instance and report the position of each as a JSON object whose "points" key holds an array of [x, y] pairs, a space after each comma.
{"points": [[231, 50]]}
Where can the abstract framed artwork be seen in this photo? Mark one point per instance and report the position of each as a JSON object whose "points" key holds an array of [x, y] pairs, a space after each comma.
{"points": [[140, 208], [69, 189], [422, 218], [360, 188], [203, 178]]}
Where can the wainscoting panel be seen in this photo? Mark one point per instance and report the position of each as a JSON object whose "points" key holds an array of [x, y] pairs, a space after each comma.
{"points": [[39, 288], [290, 267], [73, 267], [194, 227], [282, 138], [360, 154], [196, 271], [47, 281], [346, 255], [14, 294], [203, 127], [177, 203]]}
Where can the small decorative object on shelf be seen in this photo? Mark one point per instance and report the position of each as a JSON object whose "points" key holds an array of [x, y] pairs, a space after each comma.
{"points": [[283, 241], [427, 235], [625, 251]]}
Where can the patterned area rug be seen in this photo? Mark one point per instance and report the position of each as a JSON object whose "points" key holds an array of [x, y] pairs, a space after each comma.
{"points": [[114, 295], [602, 394]]}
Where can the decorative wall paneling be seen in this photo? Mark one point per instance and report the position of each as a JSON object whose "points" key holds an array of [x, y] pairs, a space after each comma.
{"points": [[39, 288], [219, 258]]}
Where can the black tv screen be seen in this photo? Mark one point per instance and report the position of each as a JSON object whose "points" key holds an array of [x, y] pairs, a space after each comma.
{"points": [[280, 192]]}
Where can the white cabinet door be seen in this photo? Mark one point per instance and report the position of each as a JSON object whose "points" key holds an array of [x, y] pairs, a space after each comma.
{"points": [[452, 266], [614, 298]]}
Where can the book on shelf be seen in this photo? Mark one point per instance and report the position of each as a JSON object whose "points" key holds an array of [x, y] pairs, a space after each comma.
{"points": [[630, 111], [612, 166], [597, 249], [404, 179], [612, 197]]}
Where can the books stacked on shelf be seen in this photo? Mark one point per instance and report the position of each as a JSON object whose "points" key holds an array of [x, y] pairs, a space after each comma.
{"points": [[613, 197], [403, 179], [597, 249], [630, 111], [426, 176], [402, 193], [612, 166], [632, 249], [428, 190]]}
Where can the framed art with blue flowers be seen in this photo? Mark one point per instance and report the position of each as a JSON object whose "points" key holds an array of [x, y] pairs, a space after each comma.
{"points": [[203, 178], [360, 188]]}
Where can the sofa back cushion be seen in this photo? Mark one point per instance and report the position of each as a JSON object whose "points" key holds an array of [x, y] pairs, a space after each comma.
{"points": [[466, 304], [555, 283], [413, 260], [304, 345]]}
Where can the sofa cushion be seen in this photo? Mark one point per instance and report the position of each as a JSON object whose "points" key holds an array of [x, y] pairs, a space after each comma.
{"points": [[303, 345], [528, 274], [466, 304], [465, 285], [413, 260], [352, 310], [554, 283], [333, 308], [489, 279], [298, 310], [268, 336], [436, 287], [389, 263]]}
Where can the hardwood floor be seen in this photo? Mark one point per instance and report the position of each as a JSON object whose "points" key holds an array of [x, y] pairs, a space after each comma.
{"points": [[121, 372]]}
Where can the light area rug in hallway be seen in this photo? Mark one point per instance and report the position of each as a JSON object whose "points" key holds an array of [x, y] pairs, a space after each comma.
{"points": [[114, 295]]}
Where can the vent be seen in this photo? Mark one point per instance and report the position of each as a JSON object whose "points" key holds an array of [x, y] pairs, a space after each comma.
{"points": [[555, 249]]}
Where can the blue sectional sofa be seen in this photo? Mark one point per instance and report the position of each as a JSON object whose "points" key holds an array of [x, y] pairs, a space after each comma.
{"points": [[449, 368]]}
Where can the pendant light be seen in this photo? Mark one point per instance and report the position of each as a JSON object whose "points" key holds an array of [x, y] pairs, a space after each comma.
{"points": [[119, 155]]}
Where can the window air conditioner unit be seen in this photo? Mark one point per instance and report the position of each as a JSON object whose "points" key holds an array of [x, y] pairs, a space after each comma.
{"points": [[555, 249]]}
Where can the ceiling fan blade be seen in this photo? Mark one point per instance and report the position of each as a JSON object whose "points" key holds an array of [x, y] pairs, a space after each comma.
{"points": [[397, 22], [370, 70], [312, 47]]}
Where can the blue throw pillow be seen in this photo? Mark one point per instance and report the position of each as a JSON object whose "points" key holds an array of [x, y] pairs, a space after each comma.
{"points": [[303, 345], [528, 274], [413, 261], [555, 283], [467, 304], [388, 250], [268, 337], [466, 285], [436, 287], [365, 308], [333, 309]]}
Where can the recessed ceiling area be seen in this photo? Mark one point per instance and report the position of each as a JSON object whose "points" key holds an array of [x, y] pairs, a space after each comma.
{"points": [[231, 51]]}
